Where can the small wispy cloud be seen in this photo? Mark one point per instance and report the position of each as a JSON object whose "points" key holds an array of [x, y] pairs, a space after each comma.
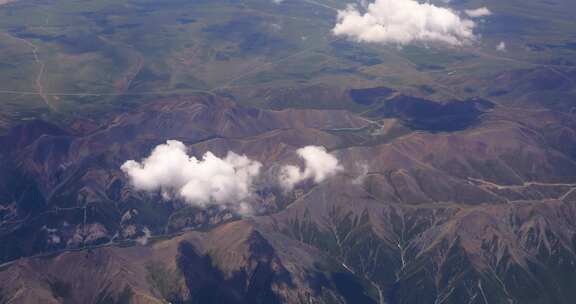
{"points": [[478, 12], [318, 166]]}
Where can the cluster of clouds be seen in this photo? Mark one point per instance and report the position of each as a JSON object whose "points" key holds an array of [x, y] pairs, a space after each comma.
{"points": [[201, 182], [404, 22], [210, 180]]}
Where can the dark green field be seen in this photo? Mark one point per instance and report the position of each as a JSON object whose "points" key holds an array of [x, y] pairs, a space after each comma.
{"points": [[64, 58]]}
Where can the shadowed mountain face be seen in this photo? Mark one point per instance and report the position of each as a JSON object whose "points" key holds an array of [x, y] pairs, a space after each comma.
{"points": [[422, 114], [480, 214]]}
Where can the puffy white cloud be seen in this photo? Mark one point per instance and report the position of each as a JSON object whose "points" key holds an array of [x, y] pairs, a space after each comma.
{"points": [[318, 166], [403, 22], [479, 12], [201, 182]]}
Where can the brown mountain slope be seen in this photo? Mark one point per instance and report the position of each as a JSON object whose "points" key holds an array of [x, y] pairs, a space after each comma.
{"points": [[233, 264], [480, 215]]}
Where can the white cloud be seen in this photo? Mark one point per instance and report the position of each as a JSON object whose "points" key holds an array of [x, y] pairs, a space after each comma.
{"points": [[143, 239], [318, 166], [403, 22], [362, 172], [501, 46], [200, 182], [479, 12]]}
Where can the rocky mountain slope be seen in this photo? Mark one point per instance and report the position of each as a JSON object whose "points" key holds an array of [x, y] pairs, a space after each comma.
{"points": [[425, 211]]}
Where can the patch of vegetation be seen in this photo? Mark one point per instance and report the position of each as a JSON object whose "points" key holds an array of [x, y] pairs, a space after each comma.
{"points": [[151, 213], [353, 52], [370, 96], [433, 58]]}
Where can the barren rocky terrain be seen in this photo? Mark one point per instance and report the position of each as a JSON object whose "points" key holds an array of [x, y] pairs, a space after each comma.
{"points": [[481, 215]]}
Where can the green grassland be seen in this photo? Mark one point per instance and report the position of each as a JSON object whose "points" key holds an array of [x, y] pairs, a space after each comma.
{"points": [[80, 57]]}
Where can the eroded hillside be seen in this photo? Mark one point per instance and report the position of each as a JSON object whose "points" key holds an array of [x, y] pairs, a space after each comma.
{"points": [[478, 214]]}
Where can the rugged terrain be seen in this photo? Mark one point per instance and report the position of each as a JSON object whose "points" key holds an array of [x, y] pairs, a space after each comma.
{"points": [[459, 161], [477, 214]]}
